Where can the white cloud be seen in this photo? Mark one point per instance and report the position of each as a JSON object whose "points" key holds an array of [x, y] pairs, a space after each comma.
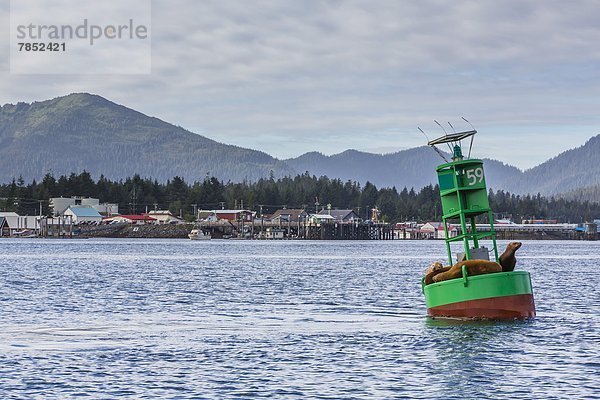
{"points": [[331, 75]]}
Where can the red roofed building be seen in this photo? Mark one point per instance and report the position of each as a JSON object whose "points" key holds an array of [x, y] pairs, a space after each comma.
{"points": [[435, 230], [234, 215]]}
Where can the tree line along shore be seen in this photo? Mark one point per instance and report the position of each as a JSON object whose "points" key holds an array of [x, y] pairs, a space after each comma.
{"points": [[136, 194]]}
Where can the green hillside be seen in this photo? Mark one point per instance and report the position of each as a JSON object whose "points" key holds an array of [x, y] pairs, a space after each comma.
{"points": [[87, 132], [81, 131]]}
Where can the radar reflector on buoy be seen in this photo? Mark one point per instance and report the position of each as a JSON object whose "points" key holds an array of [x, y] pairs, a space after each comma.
{"points": [[453, 140]]}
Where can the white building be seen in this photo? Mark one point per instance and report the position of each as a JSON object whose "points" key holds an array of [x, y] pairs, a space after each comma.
{"points": [[13, 223], [83, 214], [60, 204], [320, 218], [435, 230], [10, 218], [131, 219], [340, 215], [165, 217], [207, 215], [274, 233]]}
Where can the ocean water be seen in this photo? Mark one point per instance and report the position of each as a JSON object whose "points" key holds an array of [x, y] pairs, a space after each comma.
{"points": [[297, 319]]}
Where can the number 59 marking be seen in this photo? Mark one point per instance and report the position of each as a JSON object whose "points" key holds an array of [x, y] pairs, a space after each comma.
{"points": [[474, 175]]}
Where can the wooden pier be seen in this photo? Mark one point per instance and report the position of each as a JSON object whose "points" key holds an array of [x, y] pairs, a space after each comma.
{"points": [[348, 231], [55, 227], [295, 230], [541, 231]]}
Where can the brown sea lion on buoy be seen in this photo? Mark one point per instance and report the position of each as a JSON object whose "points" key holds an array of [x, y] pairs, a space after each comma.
{"points": [[434, 269], [508, 259], [474, 267], [435, 266]]}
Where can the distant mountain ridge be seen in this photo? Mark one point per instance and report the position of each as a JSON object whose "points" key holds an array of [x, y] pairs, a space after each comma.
{"points": [[404, 167], [407, 168], [571, 170], [82, 131]]}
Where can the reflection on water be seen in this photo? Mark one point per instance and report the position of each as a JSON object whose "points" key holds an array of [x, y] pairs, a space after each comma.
{"points": [[215, 319]]}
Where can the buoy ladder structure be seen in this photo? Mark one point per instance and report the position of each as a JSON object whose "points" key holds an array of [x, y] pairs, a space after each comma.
{"points": [[463, 192]]}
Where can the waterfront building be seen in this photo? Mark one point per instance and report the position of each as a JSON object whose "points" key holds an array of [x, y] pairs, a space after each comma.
{"points": [[164, 217], [83, 215], [435, 230], [289, 215], [406, 230], [227, 215], [142, 219], [317, 219], [234, 215], [59, 205], [341, 215], [275, 233], [10, 219], [13, 224], [207, 215]]}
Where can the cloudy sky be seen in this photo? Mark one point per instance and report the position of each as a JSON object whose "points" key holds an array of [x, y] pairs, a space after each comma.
{"points": [[288, 77]]}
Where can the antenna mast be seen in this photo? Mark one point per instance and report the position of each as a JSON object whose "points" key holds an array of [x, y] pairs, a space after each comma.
{"points": [[452, 140], [435, 148]]}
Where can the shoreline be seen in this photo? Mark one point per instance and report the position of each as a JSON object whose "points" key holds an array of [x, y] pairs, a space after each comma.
{"points": [[127, 231]]}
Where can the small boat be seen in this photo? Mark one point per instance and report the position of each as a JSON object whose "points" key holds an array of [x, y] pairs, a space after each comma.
{"points": [[494, 296], [198, 234], [25, 233]]}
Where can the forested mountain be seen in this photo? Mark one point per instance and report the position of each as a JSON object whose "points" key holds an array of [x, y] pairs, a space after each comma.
{"points": [[87, 132], [589, 193], [574, 169], [408, 168], [570, 171]]}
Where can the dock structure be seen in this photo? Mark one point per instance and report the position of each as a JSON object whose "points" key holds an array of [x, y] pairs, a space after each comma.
{"points": [[544, 231], [56, 227], [258, 229], [298, 230], [504, 231], [348, 231]]}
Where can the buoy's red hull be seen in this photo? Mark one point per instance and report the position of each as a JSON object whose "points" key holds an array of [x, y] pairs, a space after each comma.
{"points": [[519, 306]]}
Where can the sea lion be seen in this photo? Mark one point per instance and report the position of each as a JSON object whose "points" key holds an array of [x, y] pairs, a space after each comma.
{"points": [[436, 265], [434, 269], [474, 267], [508, 259]]}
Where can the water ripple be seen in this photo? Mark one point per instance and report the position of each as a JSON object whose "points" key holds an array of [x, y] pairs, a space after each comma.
{"points": [[328, 320]]}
